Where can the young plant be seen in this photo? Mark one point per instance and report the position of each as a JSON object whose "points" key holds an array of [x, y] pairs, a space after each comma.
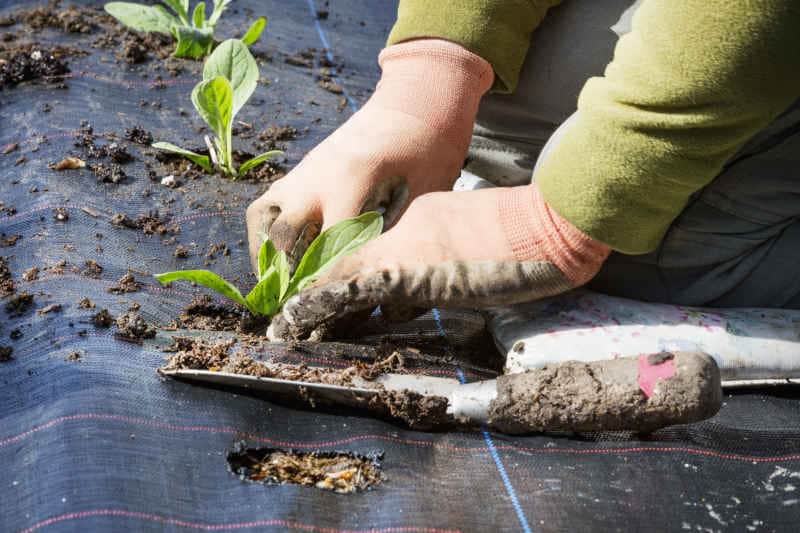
{"points": [[195, 34], [275, 285], [230, 75]]}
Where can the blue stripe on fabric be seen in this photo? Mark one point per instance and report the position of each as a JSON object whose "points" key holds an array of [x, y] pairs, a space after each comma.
{"points": [[329, 55], [436, 316], [512, 494]]}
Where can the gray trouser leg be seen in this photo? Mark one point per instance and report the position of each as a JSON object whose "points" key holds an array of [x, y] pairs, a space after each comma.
{"points": [[736, 244]]}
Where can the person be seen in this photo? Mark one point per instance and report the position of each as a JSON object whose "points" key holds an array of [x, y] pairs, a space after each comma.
{"points": [[669, 172]]}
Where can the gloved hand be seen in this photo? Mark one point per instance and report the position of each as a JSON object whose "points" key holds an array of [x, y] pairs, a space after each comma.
{"points": [[453, 249], [410, 138]]}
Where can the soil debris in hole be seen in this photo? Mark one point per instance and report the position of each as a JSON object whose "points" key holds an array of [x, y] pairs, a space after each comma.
{"points": [[75, 356], [125, 284], [342, 472], [25, 66], [6, 353], [103, 319], [131, 325]]}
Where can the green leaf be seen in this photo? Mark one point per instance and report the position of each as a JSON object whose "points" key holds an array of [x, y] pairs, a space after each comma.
{"points": [[219, 7], [180, 7], [281, 265], [213, 99], [266, 254], [254, 32], [257, 160], [232, 60], [142, 18], [264, 299], [200, 160], [199, 15], [206, 278], [333, 244], [194, 43]]}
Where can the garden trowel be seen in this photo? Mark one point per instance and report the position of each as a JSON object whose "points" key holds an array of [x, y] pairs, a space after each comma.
{"points": [[640, 393]]}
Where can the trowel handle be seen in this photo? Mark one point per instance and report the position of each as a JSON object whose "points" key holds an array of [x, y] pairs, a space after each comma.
{"points": [[641, 393]]}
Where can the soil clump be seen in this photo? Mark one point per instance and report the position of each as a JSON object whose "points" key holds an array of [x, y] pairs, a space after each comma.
{"points": [[125, 284], [132, 326], [25, 66]]}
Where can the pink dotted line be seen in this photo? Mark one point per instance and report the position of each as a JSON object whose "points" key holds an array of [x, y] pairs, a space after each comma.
{"points": [[224, 527], [89, 75], [203, 215], [387, 438]]}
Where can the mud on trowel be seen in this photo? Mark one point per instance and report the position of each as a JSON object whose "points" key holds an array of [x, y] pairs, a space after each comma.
{"points": [[633, 393]]}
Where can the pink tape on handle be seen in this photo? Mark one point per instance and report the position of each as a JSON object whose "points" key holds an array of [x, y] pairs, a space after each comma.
{"points": [[650, 374]]}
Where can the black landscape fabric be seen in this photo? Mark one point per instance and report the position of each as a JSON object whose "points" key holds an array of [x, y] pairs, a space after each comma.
{"points": [[93, 439]]}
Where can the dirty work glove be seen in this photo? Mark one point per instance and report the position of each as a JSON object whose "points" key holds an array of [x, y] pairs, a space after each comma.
{"points": [[410, 138], [453, 249]]}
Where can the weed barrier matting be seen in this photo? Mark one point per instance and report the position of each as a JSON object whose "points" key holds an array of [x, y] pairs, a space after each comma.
{"points": [[92, 439]]}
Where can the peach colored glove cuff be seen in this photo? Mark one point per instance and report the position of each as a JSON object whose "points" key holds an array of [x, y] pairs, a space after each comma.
{"points": [[436, 81], [537, 233]]}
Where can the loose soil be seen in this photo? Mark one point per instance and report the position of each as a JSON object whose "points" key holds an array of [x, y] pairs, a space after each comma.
{"points": [[132, 326], [152, 223], [125, 284], [7, 285], [19, 304], [103, 319], [203, 314], [30, 65], [417, 411], [341, 472], [198, 354], [177, 165], [139, 135]]}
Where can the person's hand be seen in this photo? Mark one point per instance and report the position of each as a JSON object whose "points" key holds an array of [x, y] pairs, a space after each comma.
{"points": [[410, 138], [453, 249]]}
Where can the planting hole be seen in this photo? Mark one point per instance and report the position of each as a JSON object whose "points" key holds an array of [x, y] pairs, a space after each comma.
{"points": [[341, 472]]}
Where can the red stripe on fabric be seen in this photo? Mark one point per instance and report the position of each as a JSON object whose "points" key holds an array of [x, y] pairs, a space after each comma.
{"points": [[225, 527], [411, 442]]}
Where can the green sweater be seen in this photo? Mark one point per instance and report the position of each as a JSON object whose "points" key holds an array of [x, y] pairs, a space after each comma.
{"points": [[688, 86]]}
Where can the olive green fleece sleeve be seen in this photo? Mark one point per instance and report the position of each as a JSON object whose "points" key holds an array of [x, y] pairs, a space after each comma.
{"points": [[497, 30], [687, 87]]}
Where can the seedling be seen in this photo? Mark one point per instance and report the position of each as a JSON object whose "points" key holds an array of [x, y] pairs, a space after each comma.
{"points": [[275, 285], [195, 36], [230, 75]]}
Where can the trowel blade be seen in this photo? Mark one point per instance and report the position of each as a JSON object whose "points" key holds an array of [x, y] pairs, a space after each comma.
{"points": [[357, 395], [299, 390]]}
